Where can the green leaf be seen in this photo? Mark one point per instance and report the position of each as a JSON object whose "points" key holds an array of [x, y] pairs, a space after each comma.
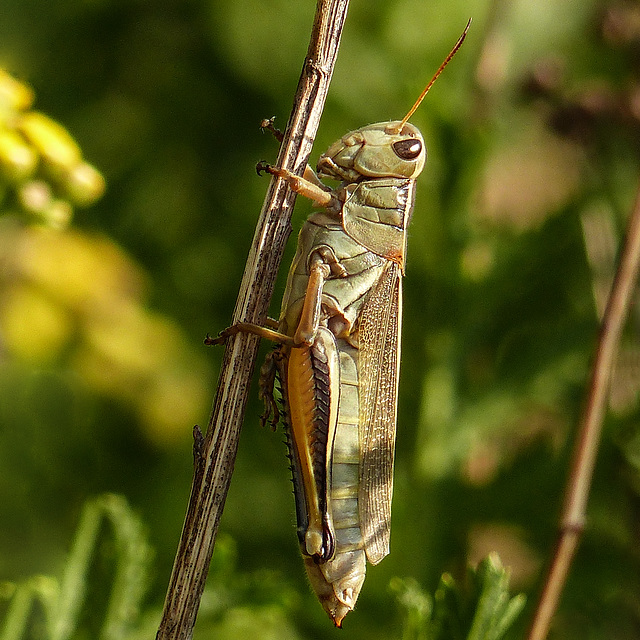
{"points": [[62, 601], [482, 610], [417, 607], [495, 610]]}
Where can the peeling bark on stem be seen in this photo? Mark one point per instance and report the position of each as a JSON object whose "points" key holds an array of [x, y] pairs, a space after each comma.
{"points": [[215, 455]]}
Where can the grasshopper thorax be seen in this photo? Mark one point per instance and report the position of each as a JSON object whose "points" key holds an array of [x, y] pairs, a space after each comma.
{"points": [[381, 150]]}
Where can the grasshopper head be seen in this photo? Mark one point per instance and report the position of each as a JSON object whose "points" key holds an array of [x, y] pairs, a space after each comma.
{"points": [[381, 150]]}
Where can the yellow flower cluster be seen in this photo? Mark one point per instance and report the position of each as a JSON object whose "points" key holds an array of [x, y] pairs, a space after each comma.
{"points": [[74, 302], [42, 172]]}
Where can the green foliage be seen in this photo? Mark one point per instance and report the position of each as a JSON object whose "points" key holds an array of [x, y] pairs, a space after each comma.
{"points": [[481, 610], [534, 157], [234, 606], [63, 601]]}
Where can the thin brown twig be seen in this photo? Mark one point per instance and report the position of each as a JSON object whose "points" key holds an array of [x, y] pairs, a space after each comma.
{"points": [[214, 455], [586, 448]]}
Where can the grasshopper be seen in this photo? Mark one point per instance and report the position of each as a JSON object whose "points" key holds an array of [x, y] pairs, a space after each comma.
{"points": [[338, 351]]}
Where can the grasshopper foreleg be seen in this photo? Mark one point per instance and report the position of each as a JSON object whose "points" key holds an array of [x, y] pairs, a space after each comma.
{"points": [[308, 186], [309, 174]]}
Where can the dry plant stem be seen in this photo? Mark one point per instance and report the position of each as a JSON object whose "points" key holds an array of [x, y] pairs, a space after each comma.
{"points": [[584, 455], [214, 455]]}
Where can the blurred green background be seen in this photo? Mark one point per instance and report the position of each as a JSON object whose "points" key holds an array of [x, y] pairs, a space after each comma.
{"points": [[533, 136]]}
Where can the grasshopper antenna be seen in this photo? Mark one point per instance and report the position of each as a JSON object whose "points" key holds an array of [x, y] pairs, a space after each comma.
{"points": [[435, 77]]}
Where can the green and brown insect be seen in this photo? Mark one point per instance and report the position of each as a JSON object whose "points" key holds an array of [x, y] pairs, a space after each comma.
{"points": [[339, 349]]}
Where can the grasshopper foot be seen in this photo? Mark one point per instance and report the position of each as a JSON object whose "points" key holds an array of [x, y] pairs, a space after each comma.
{"points": [[281, 173], [264, 166], [221, 339], [274, 171], [267, 124]]}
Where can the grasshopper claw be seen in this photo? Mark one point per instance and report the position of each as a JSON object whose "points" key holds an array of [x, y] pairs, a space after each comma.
{"points": [[222, 336], [263, 166], [267, 124]]}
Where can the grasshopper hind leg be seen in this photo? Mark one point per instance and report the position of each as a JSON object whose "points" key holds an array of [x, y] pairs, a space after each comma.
{"points": [[267, 384]]}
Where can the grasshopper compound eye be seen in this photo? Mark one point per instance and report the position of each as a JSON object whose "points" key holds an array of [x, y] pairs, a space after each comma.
{"points": [[407, 149]]}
